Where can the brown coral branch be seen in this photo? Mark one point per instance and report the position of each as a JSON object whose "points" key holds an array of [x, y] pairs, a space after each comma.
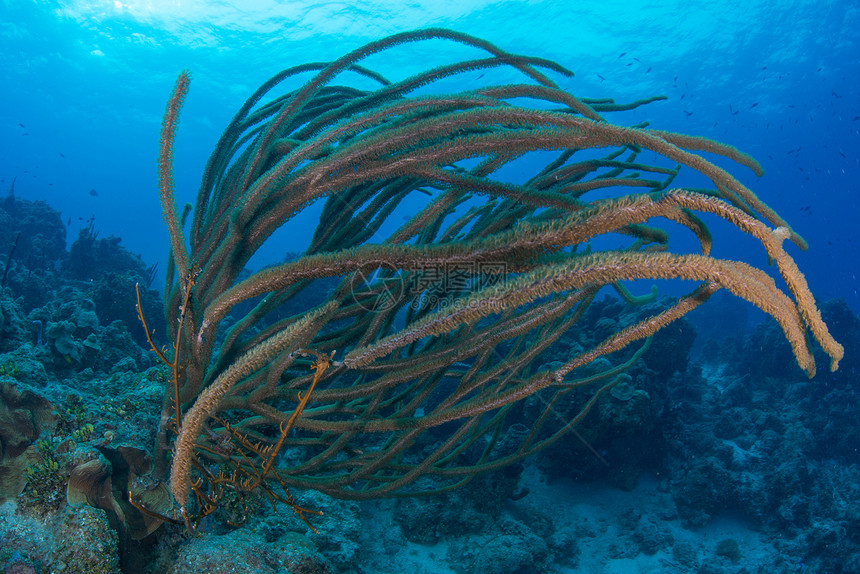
{"points": [[449, 287]]}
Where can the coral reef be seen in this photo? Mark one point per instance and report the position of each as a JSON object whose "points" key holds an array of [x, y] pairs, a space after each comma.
{"points": [[73, 540], [721, 440], [672, 445]]}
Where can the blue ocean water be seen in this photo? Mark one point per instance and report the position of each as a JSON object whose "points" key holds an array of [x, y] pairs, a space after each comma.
{"points": [[85, 84]]}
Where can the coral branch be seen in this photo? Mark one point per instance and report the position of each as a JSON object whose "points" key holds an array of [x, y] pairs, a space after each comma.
{"points": [[450, 288]]}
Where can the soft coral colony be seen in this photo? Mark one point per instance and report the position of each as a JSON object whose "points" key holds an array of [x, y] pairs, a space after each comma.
{"points": [[393, 356]]}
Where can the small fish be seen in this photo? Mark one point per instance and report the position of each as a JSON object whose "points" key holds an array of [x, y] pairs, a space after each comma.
{"points": [[638, 60], [856, 118], [69, 222], [628, 64], [479, 77], [764, 67], [835, 95], [843, 155], [648, 70], [61, 154], [754, 105], [94, 193], [621, 55], [602, 79], [25, 134], [22, 125], [682, 96], [733, 112], [818, 70], [688, 113]]}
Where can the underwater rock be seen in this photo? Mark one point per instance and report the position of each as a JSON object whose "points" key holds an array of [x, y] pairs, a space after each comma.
{"points": [[512, 549], [220, 554], [419, 518], [115, 300], [37, 303], [91, 258], [564, 545], [619, 438], [296, 555], [86, 543], [62, 336], [685, 554], [339, 529], [428, 519], [13, 330], [24, 415], [652, 536], [92, 343], [33, 248], [73, 541], [670, 349], [729, 548], [42, 238], [508, 554], [75, 338], [24, 364], [112, 271]]}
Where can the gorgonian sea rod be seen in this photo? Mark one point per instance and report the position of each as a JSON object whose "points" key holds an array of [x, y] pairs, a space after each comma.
{"points": [[437, 290]]}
